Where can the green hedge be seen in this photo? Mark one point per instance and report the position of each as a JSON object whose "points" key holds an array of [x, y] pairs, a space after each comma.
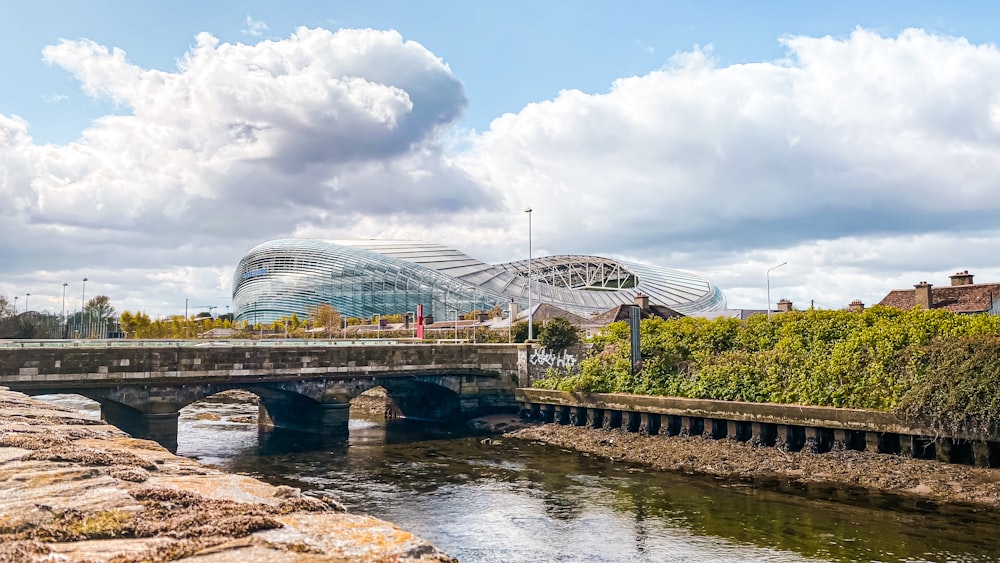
{"points": [[921, 363]]}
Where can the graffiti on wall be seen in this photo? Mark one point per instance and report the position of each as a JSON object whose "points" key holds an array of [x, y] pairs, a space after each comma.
{"points": [[549, 359]]}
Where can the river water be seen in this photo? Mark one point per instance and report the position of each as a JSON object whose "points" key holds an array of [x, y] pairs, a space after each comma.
{"points": [[516, 501]]}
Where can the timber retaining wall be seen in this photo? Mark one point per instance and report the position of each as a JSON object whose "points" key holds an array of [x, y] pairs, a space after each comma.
{"points": [[793, 427]]}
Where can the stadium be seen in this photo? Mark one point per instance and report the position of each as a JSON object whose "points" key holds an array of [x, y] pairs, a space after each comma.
{"points": [[364, 278]]}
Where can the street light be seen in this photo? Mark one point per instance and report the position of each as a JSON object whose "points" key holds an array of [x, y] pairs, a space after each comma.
{"points": [[83, 301], [530, 332], [510, 321], [26, 296], [64, 310], [768, 276], [15, 305]]}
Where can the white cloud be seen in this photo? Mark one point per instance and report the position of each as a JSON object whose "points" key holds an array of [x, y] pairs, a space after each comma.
{"points": [[254, 28], [867, 162], [238, 144], [865, 136]]}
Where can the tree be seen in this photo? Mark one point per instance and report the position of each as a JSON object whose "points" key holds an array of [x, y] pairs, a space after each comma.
{"points": [[128, 322], [558, 334], [519, 332], [327, 317], [6, 309], [100, 308]]}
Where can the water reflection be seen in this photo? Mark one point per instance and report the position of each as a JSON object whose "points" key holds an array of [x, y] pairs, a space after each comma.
{"points": [[517, 501]]}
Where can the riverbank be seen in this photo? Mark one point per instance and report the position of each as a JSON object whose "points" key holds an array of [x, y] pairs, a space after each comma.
{"points": [[925, 480], [76, 489]]}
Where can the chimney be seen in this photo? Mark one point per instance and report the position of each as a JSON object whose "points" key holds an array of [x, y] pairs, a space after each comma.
{"points": [[856, 306], [922, 295], [784, 306], [642, 300], [513, 311], [961, 278]]}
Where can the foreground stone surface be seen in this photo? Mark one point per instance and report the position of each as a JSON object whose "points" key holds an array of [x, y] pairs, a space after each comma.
{"points": [[76, 489], [936, 482]]}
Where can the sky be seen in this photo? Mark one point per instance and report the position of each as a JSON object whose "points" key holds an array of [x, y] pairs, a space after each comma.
{"points": [[148, 146]]}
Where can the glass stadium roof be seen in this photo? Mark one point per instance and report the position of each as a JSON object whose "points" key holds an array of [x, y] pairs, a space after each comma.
{"points": [[366, 277]]}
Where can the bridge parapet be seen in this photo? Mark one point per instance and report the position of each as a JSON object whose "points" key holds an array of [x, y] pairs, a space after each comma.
{"points": [[141, 388], [45, 366]]}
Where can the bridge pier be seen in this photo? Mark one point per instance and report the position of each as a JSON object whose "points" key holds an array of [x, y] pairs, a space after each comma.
{"points": [[159, 427], [329, 420]]}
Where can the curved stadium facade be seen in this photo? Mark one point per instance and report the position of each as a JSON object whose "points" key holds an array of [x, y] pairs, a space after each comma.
{"points": [[369, 277]]}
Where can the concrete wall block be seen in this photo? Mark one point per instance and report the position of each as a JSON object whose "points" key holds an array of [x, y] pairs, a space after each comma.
{"points": [[763, 434], [981, 454], [563, 414], [840, 440], [548, 413], [649, 424], [595, 418], [612, 420]]}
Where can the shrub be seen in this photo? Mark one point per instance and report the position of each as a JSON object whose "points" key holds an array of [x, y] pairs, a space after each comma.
{"points": [[558, 334], [939, 361]]}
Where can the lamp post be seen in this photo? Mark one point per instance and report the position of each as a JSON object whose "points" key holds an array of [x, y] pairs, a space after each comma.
{"points": [[83, 301], [26, 296], [510, 321], [530, 331], [64, 310], [15, 305], [768, 276]]}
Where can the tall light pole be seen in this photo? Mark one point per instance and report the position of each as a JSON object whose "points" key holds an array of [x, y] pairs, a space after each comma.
{"points": [[15, 305], [768, 276], [530, 331], [83, 301], [26, 296], [510, 321], [64, 310]]}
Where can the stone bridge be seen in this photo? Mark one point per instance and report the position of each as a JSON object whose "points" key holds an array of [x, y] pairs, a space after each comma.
{"points": [[308, 388]]}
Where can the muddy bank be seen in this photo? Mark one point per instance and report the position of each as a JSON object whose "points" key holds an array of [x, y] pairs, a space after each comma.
{"points": [[76, 489], [931, 481]]}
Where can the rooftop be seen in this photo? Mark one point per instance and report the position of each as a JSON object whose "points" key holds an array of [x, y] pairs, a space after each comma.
{"points": [[972, 298]]}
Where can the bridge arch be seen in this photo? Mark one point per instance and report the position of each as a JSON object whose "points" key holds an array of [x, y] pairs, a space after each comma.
{"points": [[424, 400]]}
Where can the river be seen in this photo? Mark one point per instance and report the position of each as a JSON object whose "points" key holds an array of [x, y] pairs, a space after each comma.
{"points": [[510, 501]]}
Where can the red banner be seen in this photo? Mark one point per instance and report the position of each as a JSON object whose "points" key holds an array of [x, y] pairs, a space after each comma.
{"points": [[420, 321]]}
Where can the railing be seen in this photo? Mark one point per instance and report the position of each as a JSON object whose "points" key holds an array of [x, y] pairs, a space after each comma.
{"points": [[218, 342], [137, 343]]}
